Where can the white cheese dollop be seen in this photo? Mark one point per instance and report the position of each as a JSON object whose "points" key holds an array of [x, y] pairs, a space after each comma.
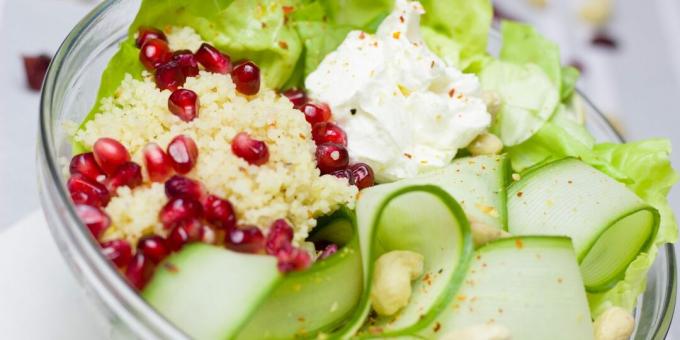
{"points": [[405, 111]]}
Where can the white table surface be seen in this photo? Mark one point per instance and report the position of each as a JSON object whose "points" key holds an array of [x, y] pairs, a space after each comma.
{"points": [[638, 84]]}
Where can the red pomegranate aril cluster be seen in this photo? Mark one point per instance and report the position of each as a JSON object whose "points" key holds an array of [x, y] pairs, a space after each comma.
{"points": [[331, 157], [94, 218], [362, 175], [117, 251], [327, 132], [183, 187], [86, 191], [251, 150], [186, 232], [154, 53], [183, 152], [279, 243], [246, 77], [179, 210], [213, 60], [148, 33], [316, 113], [86, 165], [184, 104], [297, 97], [110, 154], [153, 247], [187, 62], [245, 239], [220, 212], [129, 175], [157, 163], [169, 76], [139, 270]]}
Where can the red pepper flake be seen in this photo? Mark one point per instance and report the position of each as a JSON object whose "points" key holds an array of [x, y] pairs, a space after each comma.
{"points": [[520, 193], [401, 18], [283, 45], [437, 327], [570, 181], [301, 319], [408, 155], [170, 267], [560, 280], [362, 36], [36, 67], [452, 92], [396, 35], [263, 25], [288, 10], [461, 298], [519, 244]]}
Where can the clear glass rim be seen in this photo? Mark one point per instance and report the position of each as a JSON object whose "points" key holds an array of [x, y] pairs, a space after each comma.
{"points": [[111, 287]]}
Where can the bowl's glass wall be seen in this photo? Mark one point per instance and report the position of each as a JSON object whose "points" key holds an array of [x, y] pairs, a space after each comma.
{"points": [[69, 92]]}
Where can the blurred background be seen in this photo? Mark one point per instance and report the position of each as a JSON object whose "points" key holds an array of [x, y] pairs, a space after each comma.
{"points": [[628, 52]]}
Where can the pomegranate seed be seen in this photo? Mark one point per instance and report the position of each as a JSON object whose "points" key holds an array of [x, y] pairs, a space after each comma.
{"points": [[245, 240], [295, 260], [328, 251], [128, 175], [362, 175], [36, 68], [213, 60], [186, 232], [331, 157], [86, 165], [253, 151], [87, 191], [604, 40], [187, 61], [154, 53], [96, 220], [139, 271], [220, 212], [110, 154], [178, 210], [297, 97], [316, 113], [327, 132], [183, 152], [169, 76], [153, 247], [145, 34], [280, 237], [117, 251], [246, 77], [344, 174], [184, 104], [182, 187], [158, 164]]}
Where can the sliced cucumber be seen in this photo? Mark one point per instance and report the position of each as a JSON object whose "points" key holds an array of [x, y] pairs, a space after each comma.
{"points": [[531, 285], [210, 292], [318, 299], [608, 224], [421, 218], [478, 184]]}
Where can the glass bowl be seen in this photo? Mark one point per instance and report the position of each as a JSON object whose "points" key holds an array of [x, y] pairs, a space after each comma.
{"points": [[69, 91]]}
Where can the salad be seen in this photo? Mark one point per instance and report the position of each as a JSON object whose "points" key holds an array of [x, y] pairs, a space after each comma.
{"points": [[279, 169]]}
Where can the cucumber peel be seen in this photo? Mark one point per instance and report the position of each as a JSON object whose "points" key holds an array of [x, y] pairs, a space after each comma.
{"points": [[210, 292], [420, 218], [608, 224], [531, 285], [317, 300]]}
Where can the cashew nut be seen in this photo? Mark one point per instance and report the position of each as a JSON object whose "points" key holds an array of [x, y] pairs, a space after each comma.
{"points": [[493, 102], [392, 276], [615, 323], [483, 233], [479, 332], [486, 144]]}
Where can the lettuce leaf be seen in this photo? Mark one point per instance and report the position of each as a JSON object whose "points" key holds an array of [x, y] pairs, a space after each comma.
{"points": [[648, 168], [522, 44], [528, 97]]}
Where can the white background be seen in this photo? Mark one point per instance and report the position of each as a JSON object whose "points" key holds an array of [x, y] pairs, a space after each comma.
{"points": [[638, 84]]}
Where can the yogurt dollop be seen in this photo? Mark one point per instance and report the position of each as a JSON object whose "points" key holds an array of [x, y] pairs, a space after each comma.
{"points": [[405, 111]]}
